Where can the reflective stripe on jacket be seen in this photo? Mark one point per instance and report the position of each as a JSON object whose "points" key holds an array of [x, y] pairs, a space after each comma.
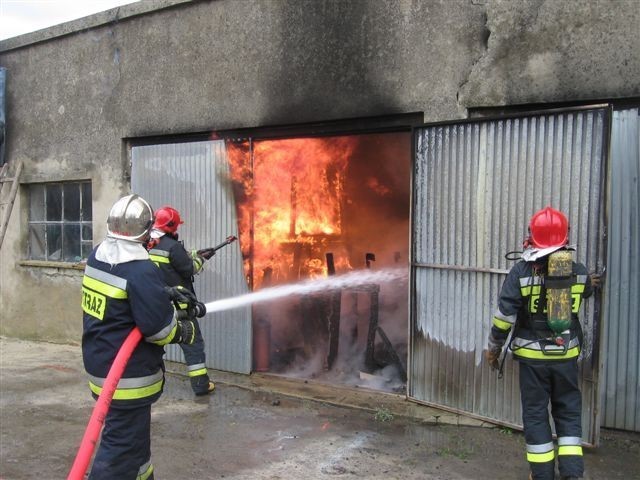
{"points": [[177, 265], [115, 299], [131, 388]]}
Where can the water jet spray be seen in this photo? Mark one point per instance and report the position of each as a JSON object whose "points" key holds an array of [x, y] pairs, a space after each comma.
{"points": [[352, 279]]}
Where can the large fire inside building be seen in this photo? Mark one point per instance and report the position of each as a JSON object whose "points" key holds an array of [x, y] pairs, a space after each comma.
{"points": [[316, 207]]}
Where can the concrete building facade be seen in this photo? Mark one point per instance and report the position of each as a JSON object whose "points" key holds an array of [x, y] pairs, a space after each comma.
{"points": [[81, 94]]}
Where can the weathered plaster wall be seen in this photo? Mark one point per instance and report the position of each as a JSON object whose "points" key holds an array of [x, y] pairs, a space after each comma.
{"points": [[554, 51], [176, 66]]}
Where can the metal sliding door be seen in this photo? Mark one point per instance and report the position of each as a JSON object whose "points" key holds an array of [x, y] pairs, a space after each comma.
{"points": [[621, 392], [476, 184], [193, 178]]}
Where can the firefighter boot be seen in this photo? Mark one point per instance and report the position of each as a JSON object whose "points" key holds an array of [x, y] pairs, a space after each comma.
{"points": [[202, 385]]}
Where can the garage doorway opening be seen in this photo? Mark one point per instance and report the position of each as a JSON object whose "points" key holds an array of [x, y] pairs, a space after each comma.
{"points": [[312, 207]]}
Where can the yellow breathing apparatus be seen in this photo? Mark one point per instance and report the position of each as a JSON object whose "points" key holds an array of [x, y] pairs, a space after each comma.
{"points": [[558, 285]]}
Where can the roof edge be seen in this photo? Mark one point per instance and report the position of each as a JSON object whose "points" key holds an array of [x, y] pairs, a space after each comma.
{"points": [[89, 22]]}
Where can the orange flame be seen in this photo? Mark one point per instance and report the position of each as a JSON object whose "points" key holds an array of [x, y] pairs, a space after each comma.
{"points": [[289, 195]]}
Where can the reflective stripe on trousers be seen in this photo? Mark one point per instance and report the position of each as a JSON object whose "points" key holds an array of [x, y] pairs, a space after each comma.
{"points": [[196, 370]]}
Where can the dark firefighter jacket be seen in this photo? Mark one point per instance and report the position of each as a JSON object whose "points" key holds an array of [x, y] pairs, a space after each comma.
{"points": [[522, 303], [177, 266], [114, 301]]}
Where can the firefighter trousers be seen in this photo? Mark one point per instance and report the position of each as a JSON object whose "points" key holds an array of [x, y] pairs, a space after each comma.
{"points": [[555, 383], [125, 446], [194, 357]]}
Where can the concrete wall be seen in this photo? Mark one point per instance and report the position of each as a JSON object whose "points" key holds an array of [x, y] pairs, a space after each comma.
{"points": [[75, 91]]}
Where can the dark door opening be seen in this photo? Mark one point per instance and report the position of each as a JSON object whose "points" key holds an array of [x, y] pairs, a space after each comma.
{"points": [[322, 206]]}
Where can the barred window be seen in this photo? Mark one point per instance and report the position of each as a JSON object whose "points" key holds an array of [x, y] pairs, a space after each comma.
{"points": [[60, 228]]}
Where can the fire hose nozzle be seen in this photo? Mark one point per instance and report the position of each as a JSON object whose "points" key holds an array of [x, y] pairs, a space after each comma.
{"points": [[209, 252]]}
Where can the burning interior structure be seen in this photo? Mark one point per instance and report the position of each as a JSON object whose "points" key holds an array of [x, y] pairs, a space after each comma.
{"points": [[321, 206]]}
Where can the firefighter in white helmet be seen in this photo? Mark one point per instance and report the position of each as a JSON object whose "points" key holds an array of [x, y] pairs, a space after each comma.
{"points": [[123, 289], [547, 352]]}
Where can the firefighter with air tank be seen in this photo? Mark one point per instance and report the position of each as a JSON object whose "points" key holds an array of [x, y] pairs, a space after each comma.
{"points": [[540, 300]]}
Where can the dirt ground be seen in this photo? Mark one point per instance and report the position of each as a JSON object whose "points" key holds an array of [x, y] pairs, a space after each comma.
{"points": [[257, 429]]}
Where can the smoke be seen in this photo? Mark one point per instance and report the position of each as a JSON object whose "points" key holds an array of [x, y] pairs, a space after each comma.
{"points": [[300, 337], [299, 328]]}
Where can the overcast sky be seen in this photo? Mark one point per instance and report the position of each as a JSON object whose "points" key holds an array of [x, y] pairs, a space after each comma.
{"points": [[23, 16]]}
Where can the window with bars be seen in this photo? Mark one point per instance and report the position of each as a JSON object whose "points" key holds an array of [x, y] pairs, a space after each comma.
{"points": [[60, 227]]}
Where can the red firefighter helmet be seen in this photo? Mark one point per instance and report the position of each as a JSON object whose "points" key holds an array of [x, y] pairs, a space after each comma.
{"points": [[167, 219], [549, 228]]}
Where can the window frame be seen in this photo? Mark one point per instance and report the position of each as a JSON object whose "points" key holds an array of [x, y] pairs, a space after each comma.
{"points": [[82, 243]]}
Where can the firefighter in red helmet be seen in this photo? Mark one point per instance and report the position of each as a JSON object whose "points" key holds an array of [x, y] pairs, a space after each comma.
{"points": [[546, 347], [548, 229], [179, 267]]}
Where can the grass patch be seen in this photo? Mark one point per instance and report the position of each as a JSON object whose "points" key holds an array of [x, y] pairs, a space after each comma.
{"points": [[461, 453], [383, 414]]}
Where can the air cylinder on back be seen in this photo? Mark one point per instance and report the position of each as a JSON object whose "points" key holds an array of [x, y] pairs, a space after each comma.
{"points": [[560, 269]]}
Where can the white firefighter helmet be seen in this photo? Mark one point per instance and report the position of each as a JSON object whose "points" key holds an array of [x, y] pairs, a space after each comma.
{"points": [[130, 218]]}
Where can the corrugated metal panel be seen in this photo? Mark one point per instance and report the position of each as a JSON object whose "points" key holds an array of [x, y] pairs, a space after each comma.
{"points": [[621, 383], [476, 185], [193, 178]]}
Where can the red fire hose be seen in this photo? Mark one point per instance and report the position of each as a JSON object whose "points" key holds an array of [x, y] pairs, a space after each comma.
{"points": [[101, 408]]}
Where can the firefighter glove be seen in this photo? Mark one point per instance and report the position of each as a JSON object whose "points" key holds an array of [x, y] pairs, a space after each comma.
{"points": [[596, 280], [181, 294], [493, 357], [198, 261], [186, 332]]}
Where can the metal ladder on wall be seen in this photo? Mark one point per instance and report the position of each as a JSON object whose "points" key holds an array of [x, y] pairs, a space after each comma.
{"points": [[8, 195]]}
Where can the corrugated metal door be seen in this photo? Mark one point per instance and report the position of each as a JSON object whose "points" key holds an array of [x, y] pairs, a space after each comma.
{"points": [[475, 186], [193, 178], [622, 306]]}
